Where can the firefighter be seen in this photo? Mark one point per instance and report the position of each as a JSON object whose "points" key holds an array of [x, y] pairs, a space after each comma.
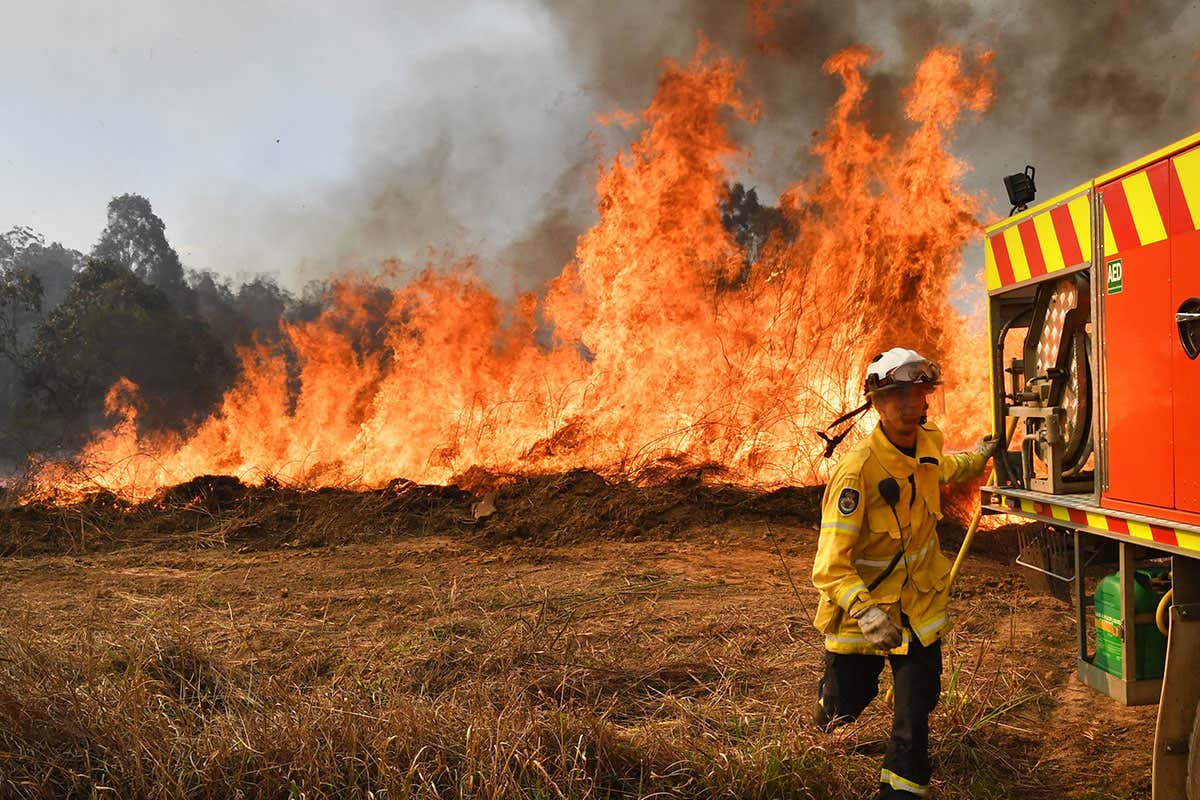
{"points": [[882, 577]]}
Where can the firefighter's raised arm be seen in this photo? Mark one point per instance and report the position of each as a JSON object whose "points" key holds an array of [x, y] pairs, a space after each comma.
{"points": [[959, 467]]}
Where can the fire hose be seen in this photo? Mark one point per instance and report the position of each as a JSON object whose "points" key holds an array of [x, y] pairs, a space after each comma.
{"points": [[1160, 614]]}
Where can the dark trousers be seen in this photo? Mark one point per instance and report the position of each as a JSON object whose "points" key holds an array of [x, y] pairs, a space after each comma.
{"points": [[850, 684]]}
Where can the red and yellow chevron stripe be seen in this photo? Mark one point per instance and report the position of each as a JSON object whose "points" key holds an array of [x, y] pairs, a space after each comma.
{"points": [[1185, 188], [1100, 522], [1136, 208], [1050, 237], [1134, 204]]}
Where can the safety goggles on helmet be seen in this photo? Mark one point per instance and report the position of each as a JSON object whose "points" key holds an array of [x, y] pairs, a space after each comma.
{"points": [[891, 369], [917, 371]]}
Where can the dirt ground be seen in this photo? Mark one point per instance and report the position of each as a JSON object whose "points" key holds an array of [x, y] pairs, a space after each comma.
{"points": [[640, 627]]}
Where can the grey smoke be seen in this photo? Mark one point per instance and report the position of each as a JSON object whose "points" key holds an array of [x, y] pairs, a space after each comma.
{"points": [[1081, 86], [494, 146]]}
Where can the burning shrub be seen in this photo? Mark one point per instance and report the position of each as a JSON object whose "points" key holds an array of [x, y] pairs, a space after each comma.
{"points": [[670, 344]]}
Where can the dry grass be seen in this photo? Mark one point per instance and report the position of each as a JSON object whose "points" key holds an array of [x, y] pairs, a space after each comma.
{"points": [[516, 713], [482, 710], [473, 662]]}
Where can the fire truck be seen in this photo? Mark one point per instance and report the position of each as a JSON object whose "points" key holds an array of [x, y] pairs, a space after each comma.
{"points": [[1094, 326]]}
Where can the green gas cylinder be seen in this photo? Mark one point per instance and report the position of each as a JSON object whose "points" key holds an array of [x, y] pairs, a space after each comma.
{"points": [[1149, 586]]}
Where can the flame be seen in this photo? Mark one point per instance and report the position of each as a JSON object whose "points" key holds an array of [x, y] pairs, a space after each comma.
{"points": [[667, 346]]}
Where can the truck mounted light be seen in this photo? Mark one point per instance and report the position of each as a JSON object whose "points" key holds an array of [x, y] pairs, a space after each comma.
{"points": [[1021, 189]]}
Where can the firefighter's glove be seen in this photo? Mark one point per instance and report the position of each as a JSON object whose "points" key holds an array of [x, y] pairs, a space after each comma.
{"points": [[986, 447], [879, 629]]}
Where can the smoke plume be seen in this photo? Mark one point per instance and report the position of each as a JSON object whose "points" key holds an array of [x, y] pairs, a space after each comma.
{"points": [[492, 155], [1081, 87]]}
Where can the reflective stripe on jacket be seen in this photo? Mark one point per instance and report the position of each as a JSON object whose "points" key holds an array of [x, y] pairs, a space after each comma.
{"points": [[857, 543]]}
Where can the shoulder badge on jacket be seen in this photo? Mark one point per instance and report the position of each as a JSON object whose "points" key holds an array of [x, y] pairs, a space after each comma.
{"points": [[848, 501]]}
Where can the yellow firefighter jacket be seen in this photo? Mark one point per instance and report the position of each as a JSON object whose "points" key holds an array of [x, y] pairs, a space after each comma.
{"points": [[860, 535]]}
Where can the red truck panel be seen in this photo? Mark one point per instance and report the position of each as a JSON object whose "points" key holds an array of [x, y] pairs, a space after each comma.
{"points": [[1138, 341], [1185, 372]]}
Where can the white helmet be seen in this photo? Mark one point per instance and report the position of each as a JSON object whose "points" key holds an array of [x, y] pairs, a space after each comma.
{"points": [[900, 366], [896, 367]]}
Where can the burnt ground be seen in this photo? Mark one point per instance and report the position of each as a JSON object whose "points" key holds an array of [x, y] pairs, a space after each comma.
{"points": [[675, 616]]}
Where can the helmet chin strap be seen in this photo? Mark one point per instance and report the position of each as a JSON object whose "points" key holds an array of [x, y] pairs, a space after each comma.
{"points": [[831, 442]]}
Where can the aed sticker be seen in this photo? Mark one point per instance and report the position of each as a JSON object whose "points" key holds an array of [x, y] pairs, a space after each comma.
{"points": [[1116, 276], [848, 501]]}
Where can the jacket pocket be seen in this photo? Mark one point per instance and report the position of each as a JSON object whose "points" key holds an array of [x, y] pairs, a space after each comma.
{"points": [[933, 573], [828, 616], [882, 520], [930, 491]]}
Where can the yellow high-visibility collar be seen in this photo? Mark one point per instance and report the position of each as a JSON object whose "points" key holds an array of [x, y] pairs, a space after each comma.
{"points": [[896, 463]]}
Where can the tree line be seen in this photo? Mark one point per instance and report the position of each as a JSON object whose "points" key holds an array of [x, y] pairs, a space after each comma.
{"points": [[72, 324]]}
